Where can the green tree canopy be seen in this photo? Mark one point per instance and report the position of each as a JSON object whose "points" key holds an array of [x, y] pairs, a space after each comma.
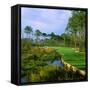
{"points": [[28, 30]]}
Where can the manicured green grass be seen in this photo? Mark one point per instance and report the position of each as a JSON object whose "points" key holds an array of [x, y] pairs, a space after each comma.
{"points": [[69, 55]]}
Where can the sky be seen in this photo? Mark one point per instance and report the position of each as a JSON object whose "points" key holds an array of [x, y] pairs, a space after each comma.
{"points": [[46, 20]]}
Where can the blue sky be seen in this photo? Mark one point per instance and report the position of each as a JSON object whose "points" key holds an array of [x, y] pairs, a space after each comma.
{"points": [[46, 20]]}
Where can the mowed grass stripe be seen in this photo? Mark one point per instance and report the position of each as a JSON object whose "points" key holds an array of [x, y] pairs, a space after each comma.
{"points": [[70, 56]]}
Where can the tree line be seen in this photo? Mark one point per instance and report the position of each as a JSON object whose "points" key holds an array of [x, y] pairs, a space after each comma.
{"points": [[74, 35]]}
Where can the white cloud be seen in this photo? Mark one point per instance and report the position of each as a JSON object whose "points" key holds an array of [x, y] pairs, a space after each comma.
{"points": [[46, 20]]}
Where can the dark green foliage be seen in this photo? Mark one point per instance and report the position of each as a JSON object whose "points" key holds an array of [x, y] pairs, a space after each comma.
{"points": [[76, 28]]}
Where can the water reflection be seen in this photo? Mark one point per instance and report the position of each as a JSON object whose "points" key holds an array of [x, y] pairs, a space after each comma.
{"points": [[57, 63]]}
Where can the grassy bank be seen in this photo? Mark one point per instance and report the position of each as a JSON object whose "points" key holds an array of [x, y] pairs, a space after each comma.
{"points": [[69, 55]]}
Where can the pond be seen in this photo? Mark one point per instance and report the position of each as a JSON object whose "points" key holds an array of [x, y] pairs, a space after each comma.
{"points": [[57, 63]]}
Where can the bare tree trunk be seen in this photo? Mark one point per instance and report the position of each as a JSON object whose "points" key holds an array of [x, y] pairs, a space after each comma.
{"points": [[75, 43], [64, 42]]}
